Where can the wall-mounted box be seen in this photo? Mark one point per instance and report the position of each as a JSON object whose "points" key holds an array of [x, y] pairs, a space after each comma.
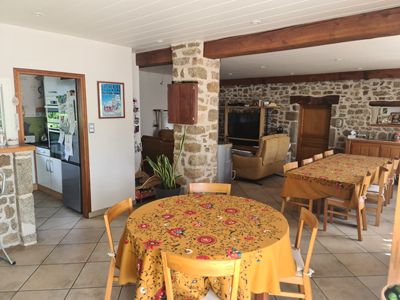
{"points": [[182, 103]]}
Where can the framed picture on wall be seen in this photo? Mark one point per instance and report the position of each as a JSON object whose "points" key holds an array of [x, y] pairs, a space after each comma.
{"points": [[395, 117], [111, 98]]}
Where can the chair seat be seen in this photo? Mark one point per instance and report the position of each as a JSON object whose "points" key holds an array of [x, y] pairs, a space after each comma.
{"points": [[373, 188]]}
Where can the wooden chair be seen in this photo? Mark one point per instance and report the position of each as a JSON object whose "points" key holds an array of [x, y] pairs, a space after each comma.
{"points": [[110, 215], [302, 278], [307, 161], [212, 188], [195, 267], [318, 156], [392, 180], [332, 202], [286, 168], [328, 153], [376, 194]]}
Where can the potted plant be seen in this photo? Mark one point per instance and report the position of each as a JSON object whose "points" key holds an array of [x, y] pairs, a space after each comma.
{"points": [[391, 292], [163, 168]]}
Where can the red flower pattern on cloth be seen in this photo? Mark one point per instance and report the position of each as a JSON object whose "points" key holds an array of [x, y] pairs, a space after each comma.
{"points": [[249, 238], [159, 294], [167, 216], [230, 222], [197, 195], [206, 239], [207, 205], [231, 210], [177, 232], [203, 257], [143, 226], [139, 266], [190, 212], [151, 244], [180, 201]]}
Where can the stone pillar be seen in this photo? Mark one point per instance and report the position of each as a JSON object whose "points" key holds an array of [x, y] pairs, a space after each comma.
{"points": [[9, 235], [24, 196], [199, 158]]}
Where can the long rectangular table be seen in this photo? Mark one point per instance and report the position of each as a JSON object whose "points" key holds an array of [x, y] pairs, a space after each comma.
{"points": [[339, 175]]}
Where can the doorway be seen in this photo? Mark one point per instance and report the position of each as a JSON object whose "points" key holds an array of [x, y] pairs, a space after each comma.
{"points": [[81, 130], [314, 124]]}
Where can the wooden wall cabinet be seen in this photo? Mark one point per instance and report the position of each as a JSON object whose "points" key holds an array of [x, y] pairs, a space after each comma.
{"points": [[373, 148], [182, 103]]}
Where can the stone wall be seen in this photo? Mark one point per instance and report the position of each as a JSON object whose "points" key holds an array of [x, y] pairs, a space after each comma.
{"points": [[199, 158], [352, 113], [17, 218]]}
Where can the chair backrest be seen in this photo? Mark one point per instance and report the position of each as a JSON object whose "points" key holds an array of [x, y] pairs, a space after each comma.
{"points": [[318, 156], [214, 188], [307, 217], [307, 161], [364, 186], [114, 212], [196, 267], [290, 166], [273, 148], [383, 179], [328, 153], [395, 165]]}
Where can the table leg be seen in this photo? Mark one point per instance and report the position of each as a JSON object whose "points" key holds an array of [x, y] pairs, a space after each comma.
{"points": [[261, 296]]}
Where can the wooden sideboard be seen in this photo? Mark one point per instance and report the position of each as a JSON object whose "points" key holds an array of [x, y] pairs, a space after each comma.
{"points": [[373, 148]]}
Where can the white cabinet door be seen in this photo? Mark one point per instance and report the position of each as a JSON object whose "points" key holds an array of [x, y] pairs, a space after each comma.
{"points": [[43, 173], [56, 175]]}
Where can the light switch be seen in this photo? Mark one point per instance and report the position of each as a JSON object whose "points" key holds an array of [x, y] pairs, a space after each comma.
{"points": [[91, 127]]}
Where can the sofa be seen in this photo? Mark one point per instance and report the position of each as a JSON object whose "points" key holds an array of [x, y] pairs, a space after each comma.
{"points": [[269, 159], [154, 146]]}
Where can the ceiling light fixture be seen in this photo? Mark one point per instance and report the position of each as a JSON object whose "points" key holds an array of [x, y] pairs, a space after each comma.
{"points": [[360, 68], [160, 41], [38, 14], [256, 22], [263, 67], [230, 74]]}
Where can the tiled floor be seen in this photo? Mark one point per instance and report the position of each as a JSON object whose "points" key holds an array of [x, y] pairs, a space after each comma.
{"points": [[70, 261]]}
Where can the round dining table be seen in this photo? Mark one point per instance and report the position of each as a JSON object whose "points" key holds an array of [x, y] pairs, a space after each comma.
{"points": [[202, 226]]}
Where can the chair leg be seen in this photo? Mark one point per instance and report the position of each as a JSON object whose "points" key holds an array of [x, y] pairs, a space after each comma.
{"points": [[307, 288], [378, 211], [319, 207], [310, 205], [364, 218], [325, 214], [359, 224], [283, 205], [110, 280], [331, 214]]}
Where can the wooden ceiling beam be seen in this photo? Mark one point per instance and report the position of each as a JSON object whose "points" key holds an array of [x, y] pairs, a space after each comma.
{"points": [[356, 27], [340, 76]]}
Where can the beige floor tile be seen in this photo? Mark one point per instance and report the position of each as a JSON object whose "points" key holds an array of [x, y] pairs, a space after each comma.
{"points": [[331, 229], [128, 292], [90, 223], [116, 233], [78, 236], [384, 257], [374, 283], [120, 221], [12, 278], [92, 294], [94, 274], [59, 223], [375, 243], [49, 202], [344, 288], [41, 295], [39, 221], [65, 212], [45, 212], [49, 277], [385, 227], [351, 229], [316, 292], [362, 264], [340, 244], [327, 265], [51, 237], [6, 295], [100, 253], [318, 248], [30, 255], [67, 253]]}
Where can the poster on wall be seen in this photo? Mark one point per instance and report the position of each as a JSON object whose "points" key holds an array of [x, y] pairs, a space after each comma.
{"points": [[111, 97]]}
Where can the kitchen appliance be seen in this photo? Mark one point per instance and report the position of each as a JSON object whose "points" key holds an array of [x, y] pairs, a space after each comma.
{"points": [[224, 163]]}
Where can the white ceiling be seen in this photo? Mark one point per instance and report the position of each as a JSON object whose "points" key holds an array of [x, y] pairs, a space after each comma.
{"points": [[151, 24], [372, 54]]}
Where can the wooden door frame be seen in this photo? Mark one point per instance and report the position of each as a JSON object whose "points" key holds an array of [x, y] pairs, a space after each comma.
{"points": [[312, 101], [82, 118]]}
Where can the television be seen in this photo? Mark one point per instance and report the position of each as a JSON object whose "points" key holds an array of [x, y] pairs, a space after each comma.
{"points": [[244, 125]]}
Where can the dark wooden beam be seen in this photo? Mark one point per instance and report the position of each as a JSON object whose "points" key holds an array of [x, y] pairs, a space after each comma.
{"points": [[357, 27], [325, 100], [154, 58], [385, 103], [357, 75]]}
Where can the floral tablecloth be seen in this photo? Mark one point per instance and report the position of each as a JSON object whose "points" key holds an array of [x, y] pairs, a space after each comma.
{"points": [[205, 227], [339, 175]]}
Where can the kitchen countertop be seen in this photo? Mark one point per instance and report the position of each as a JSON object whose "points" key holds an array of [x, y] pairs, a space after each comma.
{"points": [[17, 148]]}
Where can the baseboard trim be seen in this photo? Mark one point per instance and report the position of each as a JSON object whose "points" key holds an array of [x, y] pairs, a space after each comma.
{"points": [[35, 187]]}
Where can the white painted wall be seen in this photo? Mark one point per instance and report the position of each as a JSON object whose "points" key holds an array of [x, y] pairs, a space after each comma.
{"points": [[153, 94], [111, 151]]}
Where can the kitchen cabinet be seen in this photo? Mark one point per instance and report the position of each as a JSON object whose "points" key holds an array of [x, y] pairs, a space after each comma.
{"points": [[49, 172], [182, 103]]}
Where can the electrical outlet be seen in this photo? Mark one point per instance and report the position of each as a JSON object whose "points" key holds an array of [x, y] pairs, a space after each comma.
{"points": [[91, 127]]}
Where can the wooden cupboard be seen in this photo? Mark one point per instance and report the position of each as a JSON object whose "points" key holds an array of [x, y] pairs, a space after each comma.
{"points": [[182, 103], [373, 148]]}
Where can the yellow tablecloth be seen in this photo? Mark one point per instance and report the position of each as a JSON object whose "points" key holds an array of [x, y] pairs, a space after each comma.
{"points": [[339, 175], [206, 227]]}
